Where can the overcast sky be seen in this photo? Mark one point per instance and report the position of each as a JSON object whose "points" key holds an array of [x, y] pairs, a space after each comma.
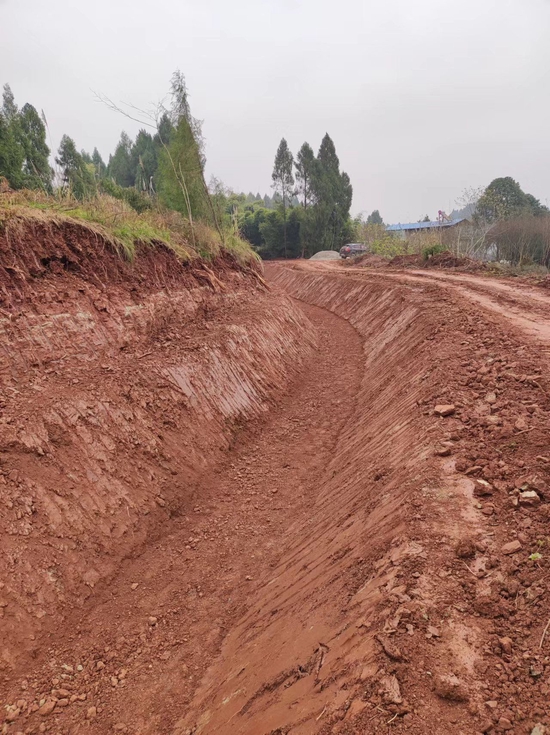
{"points": [[422, 98]]}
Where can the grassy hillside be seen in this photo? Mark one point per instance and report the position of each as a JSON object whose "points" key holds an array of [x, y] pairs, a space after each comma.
{"points": [[122, 226]]}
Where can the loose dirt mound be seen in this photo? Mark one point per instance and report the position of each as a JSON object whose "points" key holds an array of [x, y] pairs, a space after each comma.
{"points": [[326, 255], [439, 260], [370, 260]]}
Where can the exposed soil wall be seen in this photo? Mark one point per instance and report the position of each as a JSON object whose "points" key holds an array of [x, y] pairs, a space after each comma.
{"points": [[120, 384], [414, 599]]}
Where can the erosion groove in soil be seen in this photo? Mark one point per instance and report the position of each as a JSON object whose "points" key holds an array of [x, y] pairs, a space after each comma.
{"points": [[340, 563]]}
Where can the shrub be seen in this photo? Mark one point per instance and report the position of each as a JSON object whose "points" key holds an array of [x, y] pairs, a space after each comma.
{"points": [[430, 250]]}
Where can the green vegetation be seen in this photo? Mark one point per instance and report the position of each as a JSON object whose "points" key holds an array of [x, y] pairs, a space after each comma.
{"points": [[119, 224], [430, 250], [308, 212], [151, 191], [162, 170]]}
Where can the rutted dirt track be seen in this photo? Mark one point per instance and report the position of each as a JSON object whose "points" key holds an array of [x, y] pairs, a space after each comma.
{"points": [[347, 562]]}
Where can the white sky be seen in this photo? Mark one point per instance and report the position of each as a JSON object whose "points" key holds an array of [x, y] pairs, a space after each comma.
{"points": [[422, 98]]}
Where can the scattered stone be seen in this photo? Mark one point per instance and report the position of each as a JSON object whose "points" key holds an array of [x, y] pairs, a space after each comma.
{"points": [[100, 665], [135, 585], [465, 548], [390, 649], [482, 488], [535, 670], [12, 713], [504, 724], [120, 727], [47, 708], [432, 632], [445, 409], [390, 690], [153, 620], [491, 398], [506, 644], [441, 451], [492, 704], [63, 702], [521, 425], [529, 498], [473, 470], [512, 547], [539, 729], [91, 713], [448, 686]]}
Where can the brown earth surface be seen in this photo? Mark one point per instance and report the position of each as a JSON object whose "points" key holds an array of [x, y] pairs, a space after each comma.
{"points": [[224, 511]]}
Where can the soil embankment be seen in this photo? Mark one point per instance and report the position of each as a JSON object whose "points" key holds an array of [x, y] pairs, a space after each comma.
{"points": [[121, 384], [414, 599], [368, 556]]}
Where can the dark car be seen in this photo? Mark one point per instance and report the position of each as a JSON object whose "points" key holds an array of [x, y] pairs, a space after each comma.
{"points": [[354, 248]]}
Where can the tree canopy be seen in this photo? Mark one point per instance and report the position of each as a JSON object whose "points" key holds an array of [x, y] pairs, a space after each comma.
{"points": [[24, 154]]}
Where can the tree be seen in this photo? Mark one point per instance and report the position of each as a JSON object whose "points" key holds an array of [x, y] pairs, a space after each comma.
{"points": [[77, 177], [333, 194], [100, 169], [283, 180], [9, 108], [11, 155], [181, 160], [144, 158], [426, 218], [305, 164], [120, 164], [374, 218], [36, 166], [502, 199]]}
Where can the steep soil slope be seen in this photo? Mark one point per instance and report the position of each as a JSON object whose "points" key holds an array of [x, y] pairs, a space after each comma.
{"points": [[121, 384], [414, 599]]}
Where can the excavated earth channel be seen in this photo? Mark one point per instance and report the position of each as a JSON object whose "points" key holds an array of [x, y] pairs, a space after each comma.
{"points": [[349, 561]]}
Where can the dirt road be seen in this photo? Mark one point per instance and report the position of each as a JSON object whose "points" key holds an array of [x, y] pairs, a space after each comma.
{"points": [[358, 561]]}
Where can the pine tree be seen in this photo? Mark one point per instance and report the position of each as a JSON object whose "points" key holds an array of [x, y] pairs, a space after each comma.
{"points": [[305, 163], [283, 181]]}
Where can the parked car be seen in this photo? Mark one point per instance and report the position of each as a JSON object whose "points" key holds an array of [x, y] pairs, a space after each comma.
{"points": [[353, 248]]}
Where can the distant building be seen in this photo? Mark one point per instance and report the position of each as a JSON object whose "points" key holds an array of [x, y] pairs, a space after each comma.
{"points": [[406, 230]]}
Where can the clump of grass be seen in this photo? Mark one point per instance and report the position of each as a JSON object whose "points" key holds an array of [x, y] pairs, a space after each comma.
{"points": [[123, 227]]}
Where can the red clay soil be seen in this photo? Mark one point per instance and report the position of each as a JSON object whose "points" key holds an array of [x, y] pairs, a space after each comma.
{"points": [[446, 260], [368, 556]]}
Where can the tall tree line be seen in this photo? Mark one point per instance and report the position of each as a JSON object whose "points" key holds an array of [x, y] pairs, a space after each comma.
{"points": [[314, 200], [164, 163]]}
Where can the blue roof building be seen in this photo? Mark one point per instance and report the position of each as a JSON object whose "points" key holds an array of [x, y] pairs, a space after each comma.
{"points": [[406, 229]]}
